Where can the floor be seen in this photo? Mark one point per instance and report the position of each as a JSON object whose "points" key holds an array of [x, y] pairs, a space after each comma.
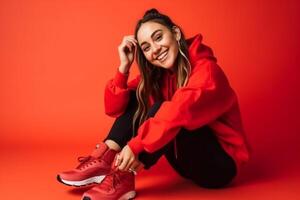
{"points": [[29, 172]]}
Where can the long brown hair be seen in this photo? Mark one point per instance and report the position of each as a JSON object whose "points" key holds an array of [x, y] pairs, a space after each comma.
{"points": [[151, 75]]}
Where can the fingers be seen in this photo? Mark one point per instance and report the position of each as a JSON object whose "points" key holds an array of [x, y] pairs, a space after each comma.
{"points": [[133, 41], [134, 165], [129, 164], [125, 163], [130, 45], [129, 42], [137, 166], [117, 161], [131, 37], [125, 159], [126, 44]]}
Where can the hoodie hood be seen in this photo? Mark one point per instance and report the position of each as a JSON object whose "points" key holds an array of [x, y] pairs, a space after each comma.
{"points": [[197, 50]]}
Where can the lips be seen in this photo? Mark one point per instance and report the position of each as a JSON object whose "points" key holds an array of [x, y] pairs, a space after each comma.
{"points": [[162, 56]]}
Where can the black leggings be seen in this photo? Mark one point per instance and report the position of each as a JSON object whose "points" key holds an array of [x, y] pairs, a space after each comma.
{"points": [[200, 157]]}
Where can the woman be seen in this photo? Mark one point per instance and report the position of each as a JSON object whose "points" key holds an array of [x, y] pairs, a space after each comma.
{"points": [[181, 105]]}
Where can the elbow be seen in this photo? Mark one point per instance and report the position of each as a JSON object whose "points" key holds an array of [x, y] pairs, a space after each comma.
{"points": [[112, 113], [114, 108]]}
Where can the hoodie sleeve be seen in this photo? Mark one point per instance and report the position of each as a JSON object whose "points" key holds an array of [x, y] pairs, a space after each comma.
{"points": [[116, 93], [206, 96]]}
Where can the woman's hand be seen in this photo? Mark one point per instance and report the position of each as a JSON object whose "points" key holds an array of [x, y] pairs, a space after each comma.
{"points": [[127, 51], [126, 159]]}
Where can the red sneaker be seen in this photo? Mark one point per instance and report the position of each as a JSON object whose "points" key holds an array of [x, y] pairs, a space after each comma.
{"points": [[118, 185], [92, 168]]}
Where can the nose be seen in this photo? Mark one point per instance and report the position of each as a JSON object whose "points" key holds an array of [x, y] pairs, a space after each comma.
{"points": [[156, 49]]}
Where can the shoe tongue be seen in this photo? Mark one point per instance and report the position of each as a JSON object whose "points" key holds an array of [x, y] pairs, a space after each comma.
{"points": [[99, 150]]}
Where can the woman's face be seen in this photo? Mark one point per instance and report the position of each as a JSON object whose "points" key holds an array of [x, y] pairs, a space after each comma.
{"points": [[159, 44]]}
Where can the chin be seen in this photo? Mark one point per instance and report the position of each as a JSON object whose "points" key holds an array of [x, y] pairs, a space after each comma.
{"points": [[167, 67], [169, 63]]}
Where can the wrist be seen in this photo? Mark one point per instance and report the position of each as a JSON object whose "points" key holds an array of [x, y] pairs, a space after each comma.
{"points": [[123, 70], [136, 146], [120, 79]]}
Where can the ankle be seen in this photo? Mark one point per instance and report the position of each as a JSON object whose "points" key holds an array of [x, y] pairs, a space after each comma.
{"points": [[112, 145]]}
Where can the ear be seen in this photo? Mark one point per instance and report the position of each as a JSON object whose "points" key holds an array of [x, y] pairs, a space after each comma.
{"points": [[176, 32]]}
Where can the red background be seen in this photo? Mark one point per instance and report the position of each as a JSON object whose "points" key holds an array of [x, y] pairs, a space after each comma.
{"points": [[56, 57]]}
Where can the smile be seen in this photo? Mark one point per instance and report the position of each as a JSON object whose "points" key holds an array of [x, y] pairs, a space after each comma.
{"points": [[162, 56]]}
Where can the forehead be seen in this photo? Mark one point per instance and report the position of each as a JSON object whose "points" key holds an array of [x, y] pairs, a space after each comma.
{"points": [[146, 30]]}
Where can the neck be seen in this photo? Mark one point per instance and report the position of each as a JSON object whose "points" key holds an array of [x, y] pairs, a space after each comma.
{"points": [[171, 70]]}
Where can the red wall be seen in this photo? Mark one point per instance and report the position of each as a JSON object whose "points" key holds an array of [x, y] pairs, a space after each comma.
{"points": [[56, 57]]}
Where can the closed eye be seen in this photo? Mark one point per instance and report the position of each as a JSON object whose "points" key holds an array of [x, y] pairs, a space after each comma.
{"points": [[145, 49], [157, 39]]}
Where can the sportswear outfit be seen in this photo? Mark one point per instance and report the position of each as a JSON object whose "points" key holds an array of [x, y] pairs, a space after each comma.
{"points": [[197, 127], [207, 101]]}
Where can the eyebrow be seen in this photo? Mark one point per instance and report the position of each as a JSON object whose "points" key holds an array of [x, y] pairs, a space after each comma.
{"points": [[151, 35]]}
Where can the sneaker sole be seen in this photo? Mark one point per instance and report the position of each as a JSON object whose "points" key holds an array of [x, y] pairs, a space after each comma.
{"points": [[95, 179], [128, 195]]}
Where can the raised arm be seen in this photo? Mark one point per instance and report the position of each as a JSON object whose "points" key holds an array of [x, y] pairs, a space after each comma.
{"points": [[116, 94]]}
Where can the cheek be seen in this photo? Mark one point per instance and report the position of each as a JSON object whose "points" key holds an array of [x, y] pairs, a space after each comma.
{"points": [[149, 58], [173, 51]]}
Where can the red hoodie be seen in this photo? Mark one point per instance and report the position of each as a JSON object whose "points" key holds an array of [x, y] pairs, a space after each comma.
{"points": [[207, 99]]}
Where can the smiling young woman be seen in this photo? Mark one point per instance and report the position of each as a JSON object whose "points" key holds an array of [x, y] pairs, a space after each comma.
{"points": [[181, 105], [159, 45]]}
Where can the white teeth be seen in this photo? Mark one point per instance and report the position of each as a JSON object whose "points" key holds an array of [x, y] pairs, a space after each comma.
{"points": [[162, 55]]}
